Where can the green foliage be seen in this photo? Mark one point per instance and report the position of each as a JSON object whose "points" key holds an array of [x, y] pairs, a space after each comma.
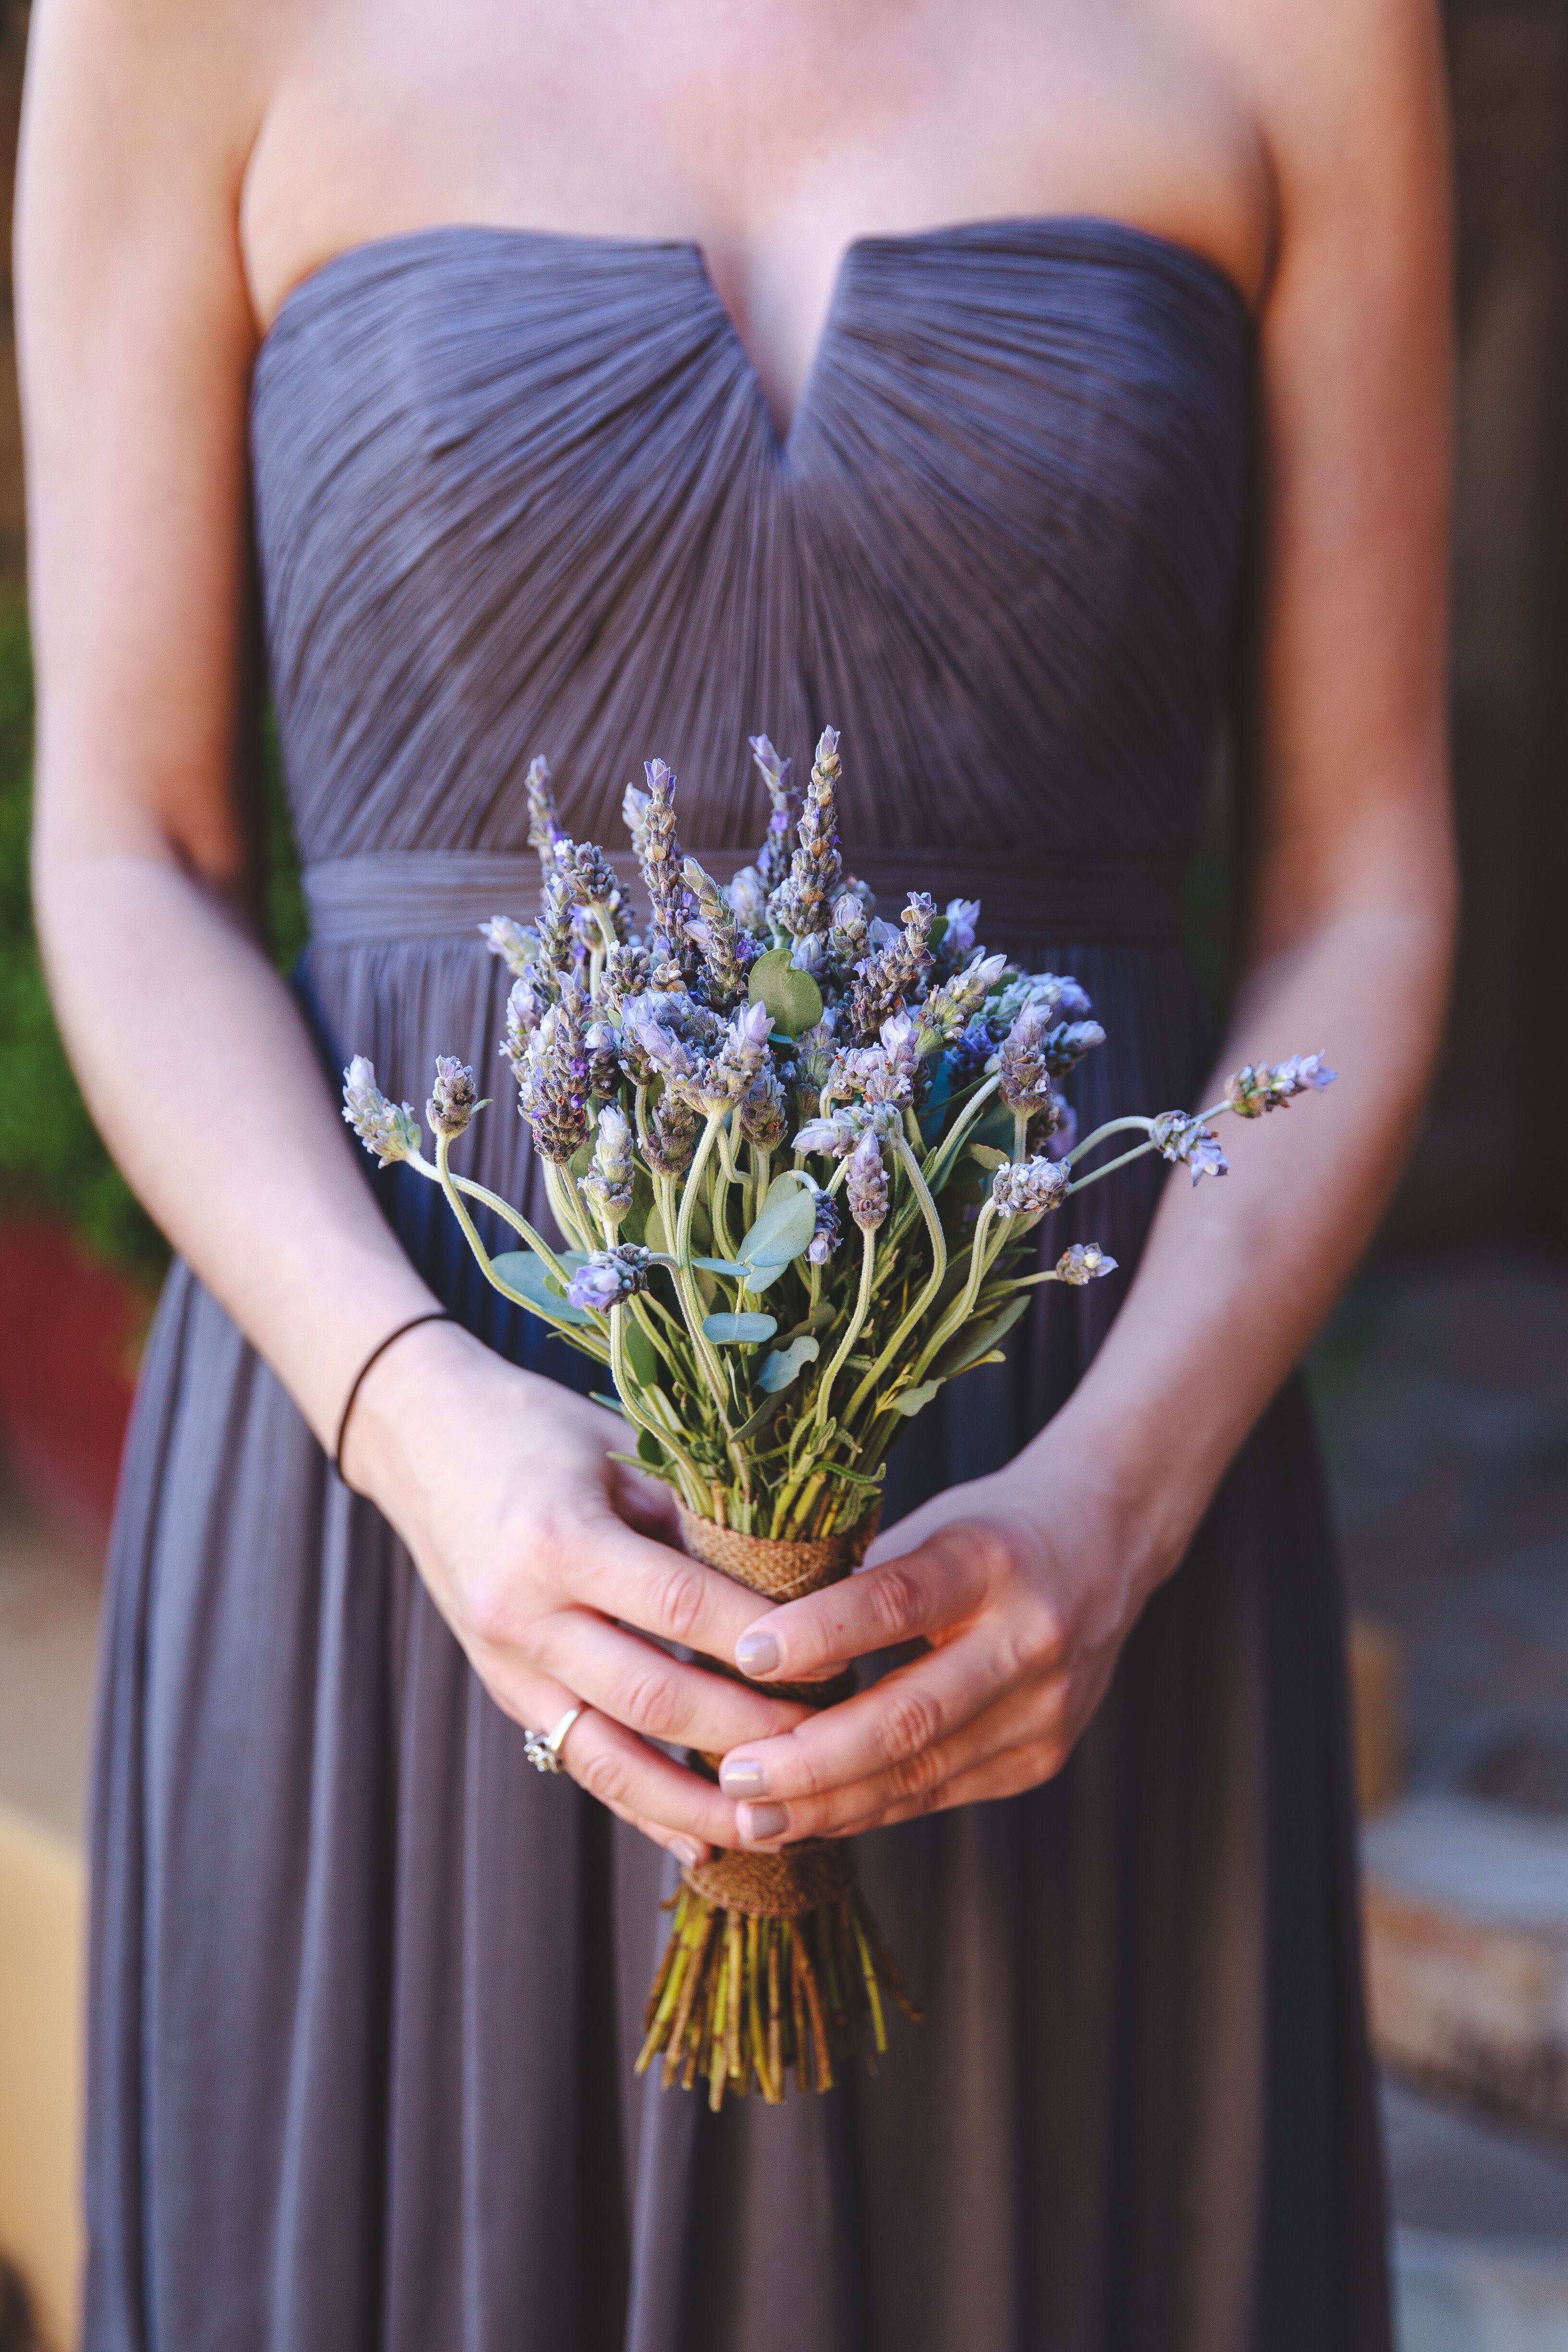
{"points": [[52, 1159]]}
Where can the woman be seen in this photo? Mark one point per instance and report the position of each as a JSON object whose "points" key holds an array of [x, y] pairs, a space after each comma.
{"points": [[607, 383]]}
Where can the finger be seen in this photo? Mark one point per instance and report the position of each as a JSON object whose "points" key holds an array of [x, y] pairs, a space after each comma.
{"points": [[1006, 1775], [590, 1556], [1025, 1720], [915, 1707], [938, 1584], [689, 1850], [644, 1503], [644, 1687], [625, 1773]]}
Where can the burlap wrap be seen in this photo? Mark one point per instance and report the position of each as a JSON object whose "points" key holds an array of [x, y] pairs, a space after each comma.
{"points": [[782, 1885]]}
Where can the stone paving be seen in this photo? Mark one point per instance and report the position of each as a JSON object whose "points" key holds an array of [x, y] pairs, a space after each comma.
{"points": [[1444, 1396]]}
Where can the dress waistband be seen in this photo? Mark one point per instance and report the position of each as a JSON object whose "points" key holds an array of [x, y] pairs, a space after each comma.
{"points": [[396, 895]]}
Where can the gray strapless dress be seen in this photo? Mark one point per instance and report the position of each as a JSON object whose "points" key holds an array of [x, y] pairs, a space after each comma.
{"points": [[365, 1987]]}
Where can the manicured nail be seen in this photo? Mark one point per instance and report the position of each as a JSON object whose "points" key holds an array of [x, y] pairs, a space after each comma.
{"points": [[757, 1653], [743, 1775], [686, 1849], [765, 1821]]}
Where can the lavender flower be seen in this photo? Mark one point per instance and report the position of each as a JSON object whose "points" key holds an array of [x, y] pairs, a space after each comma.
{"points": [[1025, 1081], [625, 975], [518, 949], [609, 1180], [772, 859], [969, 1052], [958, 940], [715, 932], [558, 947], [544, 831], [746, 895], [1084, 1262], [1177, 1136], [1065, 1046], [552, 1081], [764, 1117], [883, 1073], [800, 904], [610, 1277], [454, 1098], [388, 1130], [743, 1052], [812, 1060], [948, 1009], [658, 854], [602, 1044], [833, 1136], [531, 999], [1260, 1086], [671, 1137], [887, 981], [848, 939], [1028, 1188], [866, 1183], [591, 882], [824, 1241]]}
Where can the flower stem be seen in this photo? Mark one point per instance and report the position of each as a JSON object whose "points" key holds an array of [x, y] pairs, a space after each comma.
{"points": [[589, 1337], [928, 1295]]}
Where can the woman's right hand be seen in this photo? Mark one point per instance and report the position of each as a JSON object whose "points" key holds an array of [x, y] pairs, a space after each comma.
{"points": [[540, 1553]]}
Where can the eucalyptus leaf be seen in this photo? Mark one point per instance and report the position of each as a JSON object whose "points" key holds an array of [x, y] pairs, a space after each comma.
{"points": [[735, 1331], [968, 1349], [736, 1271], [785, 1364], [784, 1228], [908, 1401], [522, 1271], [792, 998]]}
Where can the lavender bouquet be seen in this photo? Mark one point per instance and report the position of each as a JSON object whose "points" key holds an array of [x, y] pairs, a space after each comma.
{"points": [[796, 1157]]}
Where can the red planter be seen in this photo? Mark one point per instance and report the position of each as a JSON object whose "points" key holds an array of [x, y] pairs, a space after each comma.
{"points": [[71, 1334]]}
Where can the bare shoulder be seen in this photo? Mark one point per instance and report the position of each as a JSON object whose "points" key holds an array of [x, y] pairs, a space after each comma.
{"points": [[1349, 99], [139, 118]]}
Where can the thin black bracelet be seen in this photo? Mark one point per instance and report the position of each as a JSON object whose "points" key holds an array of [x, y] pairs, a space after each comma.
{"points": [[431, 1315]]}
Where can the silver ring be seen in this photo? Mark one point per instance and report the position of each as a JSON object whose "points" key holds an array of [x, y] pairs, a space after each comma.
{"points": [[542, 1748]]}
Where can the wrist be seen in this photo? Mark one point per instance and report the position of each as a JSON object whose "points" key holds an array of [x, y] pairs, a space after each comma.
{"points": [[392, 1403]]}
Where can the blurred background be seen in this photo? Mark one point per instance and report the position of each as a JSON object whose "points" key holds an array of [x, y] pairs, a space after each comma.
{"points": [[1442, 1383]]}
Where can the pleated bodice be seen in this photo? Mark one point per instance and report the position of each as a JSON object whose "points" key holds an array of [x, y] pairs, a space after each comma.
{"points": [[520, 492]]}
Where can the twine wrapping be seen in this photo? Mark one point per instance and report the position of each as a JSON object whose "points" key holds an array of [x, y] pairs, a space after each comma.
{"points": [[794, 1880]]}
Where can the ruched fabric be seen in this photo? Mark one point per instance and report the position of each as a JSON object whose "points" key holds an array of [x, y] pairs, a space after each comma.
{"points": [[365, 1988]]}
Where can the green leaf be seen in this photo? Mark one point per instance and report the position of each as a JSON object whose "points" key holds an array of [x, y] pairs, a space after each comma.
{"points": [[642, 1356], [650, 1451], [792, 997], [760, 1418], [736, 1271], [988, 1155], [733, 1330], [968, 1349], [783, 1229], [524, 1272], [785, 1364], [908, 1401]]}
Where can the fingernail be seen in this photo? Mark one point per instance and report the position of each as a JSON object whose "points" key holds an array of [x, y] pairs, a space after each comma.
{"points": [[743, 1775], [765, 1821], [686, 1849], [757, 1653]]}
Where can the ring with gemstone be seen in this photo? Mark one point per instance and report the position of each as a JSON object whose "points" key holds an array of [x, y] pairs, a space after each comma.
{"points": [[542, 1748]]}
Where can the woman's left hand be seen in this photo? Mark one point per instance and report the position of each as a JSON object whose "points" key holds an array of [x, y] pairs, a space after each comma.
{"points": [[1024, 1585]]}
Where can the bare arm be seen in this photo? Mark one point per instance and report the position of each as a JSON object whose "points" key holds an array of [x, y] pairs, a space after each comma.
{"points": [[1027, 1583], [138, 340]]}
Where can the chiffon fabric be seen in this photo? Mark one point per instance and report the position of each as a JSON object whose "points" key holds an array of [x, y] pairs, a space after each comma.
{"points": [[365, 1988]]}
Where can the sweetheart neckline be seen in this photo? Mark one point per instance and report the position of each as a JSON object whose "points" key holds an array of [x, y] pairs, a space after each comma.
{"points": [[1148, 241]]}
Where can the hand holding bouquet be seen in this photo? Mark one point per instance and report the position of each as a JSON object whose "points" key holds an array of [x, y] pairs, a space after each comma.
{"points": [[797, 1156]]}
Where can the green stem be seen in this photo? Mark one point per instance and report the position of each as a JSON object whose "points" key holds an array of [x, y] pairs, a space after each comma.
{"points": [[938, 1276], [636, 1412], [588, 1336], [1140, 1151], [1020, 1135], [1112, 1126], [958, 1313], [939, 1163], [862, 1307]]}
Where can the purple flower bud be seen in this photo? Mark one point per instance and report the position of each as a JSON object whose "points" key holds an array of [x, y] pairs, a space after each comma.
{"points": [[518, 949], [454, 1098], [824, 1241], [387, 1129], [1177, 1136], [542, 828], [765, 1118], [1028, 1188], [609, 1180], [963, 914], [1085, 1262], [866, 1183], [1260, 1086], [609, 1278], [833, 1136]]}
